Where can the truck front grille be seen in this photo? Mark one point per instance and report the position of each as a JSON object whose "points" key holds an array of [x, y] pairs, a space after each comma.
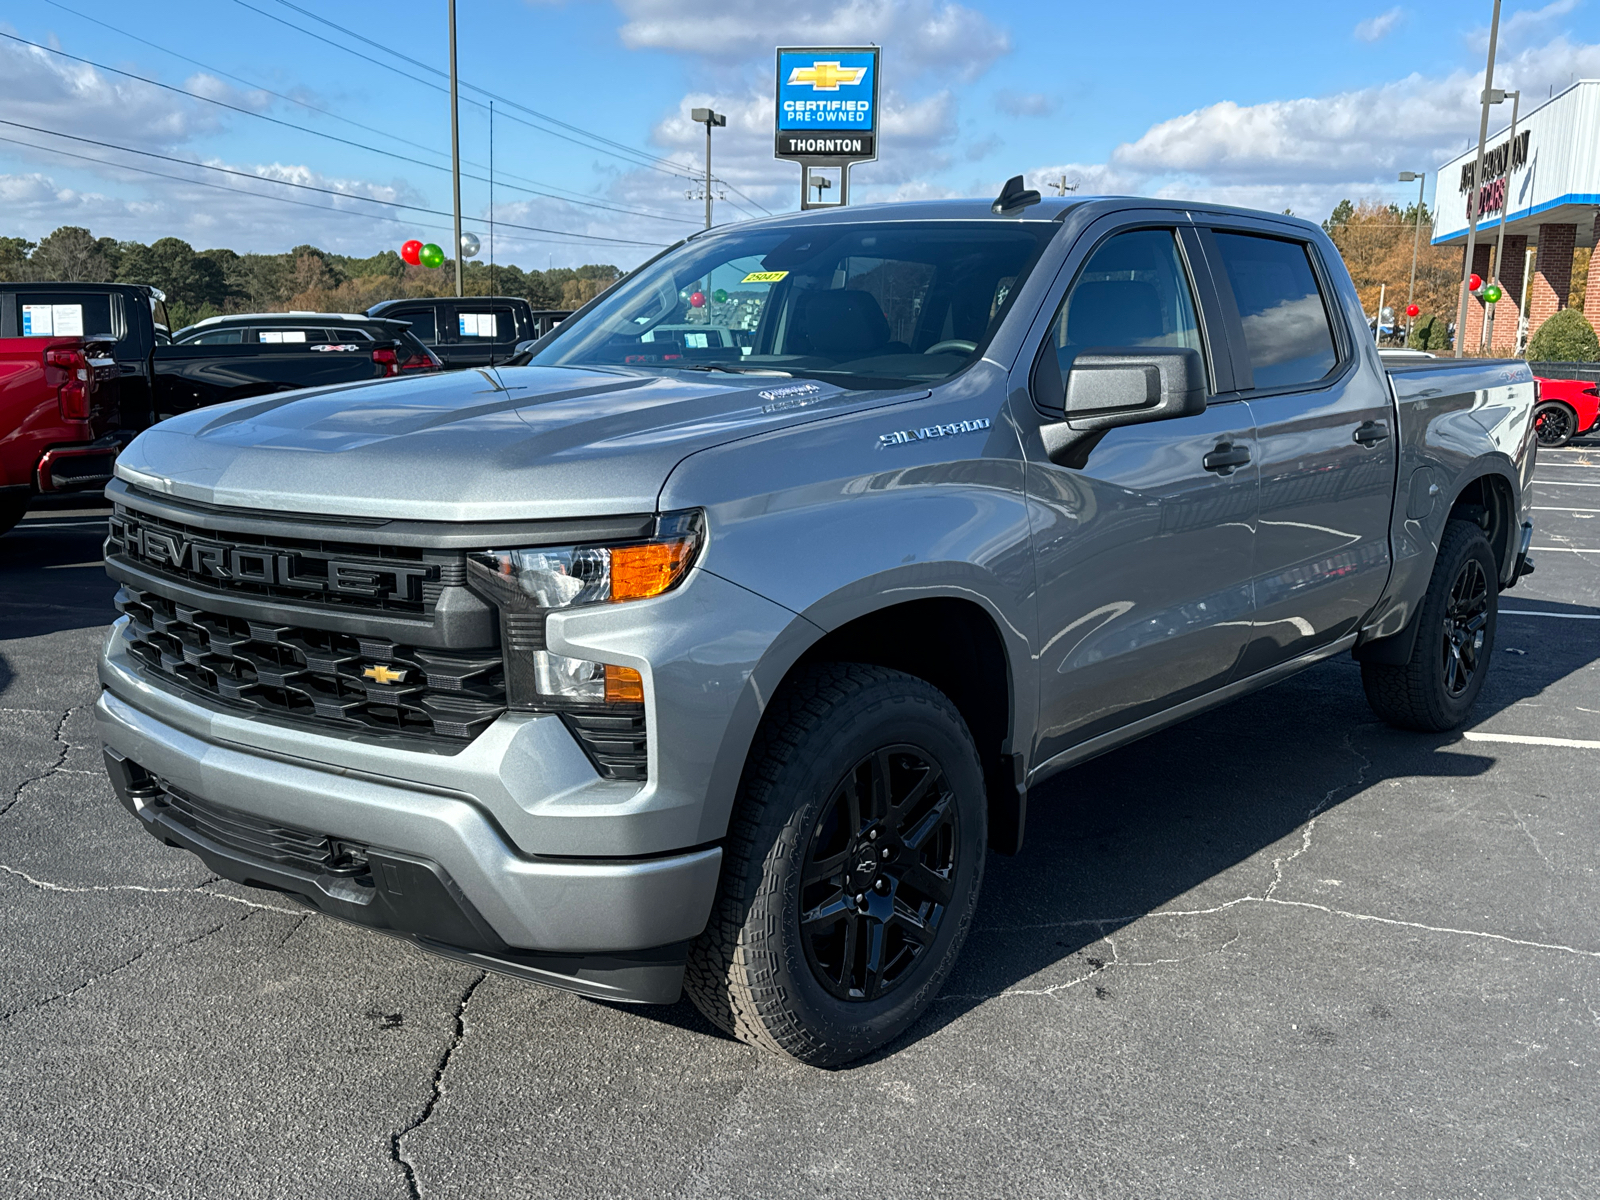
{"points": [[345, 682], [324, 574]]}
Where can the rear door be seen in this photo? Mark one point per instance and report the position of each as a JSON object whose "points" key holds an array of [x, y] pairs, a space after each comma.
{"points": [[1325, 435], [1143, 547]]}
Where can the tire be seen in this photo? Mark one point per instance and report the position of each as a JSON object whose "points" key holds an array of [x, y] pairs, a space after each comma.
{"points": [[1554, 424], [837, 730], [12, 510], [1435, 690]]}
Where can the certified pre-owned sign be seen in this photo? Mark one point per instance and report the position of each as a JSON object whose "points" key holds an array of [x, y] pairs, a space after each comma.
{"points": [[827, 109]]}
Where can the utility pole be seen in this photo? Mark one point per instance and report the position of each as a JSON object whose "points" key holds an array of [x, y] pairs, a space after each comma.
{"points": [[1377, 322], [1505, 212], [1062, 187], [455, 141], [1416, 241], [491, 196], [1477, 183], [708, 118]]}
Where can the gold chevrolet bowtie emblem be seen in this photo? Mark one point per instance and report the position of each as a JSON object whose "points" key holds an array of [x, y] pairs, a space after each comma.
{"points": [[382, 674], [826, 76]]}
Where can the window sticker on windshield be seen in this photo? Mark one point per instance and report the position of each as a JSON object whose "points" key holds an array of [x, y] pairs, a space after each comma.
{"points": [[477, 324], [764, 277], [52, 320]]}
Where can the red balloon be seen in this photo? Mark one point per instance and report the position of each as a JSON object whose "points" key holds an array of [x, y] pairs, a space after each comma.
{"points": [[412, 252], [1474, 283], [1412, 310], [697, 299]]}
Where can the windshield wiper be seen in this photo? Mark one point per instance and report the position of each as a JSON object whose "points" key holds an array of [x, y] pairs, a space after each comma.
{"points": [[736, 370]]}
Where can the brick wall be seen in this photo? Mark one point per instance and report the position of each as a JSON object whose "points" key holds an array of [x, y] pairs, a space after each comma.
{"points": [[1591, 292], [1552, 274], [1504, 336]]}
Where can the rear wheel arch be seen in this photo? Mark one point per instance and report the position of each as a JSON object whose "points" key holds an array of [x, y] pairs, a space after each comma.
{"points": [[1489, 501]]}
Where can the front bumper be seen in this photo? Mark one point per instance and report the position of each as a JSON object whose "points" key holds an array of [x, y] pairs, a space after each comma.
{"points": [[510, 907]]}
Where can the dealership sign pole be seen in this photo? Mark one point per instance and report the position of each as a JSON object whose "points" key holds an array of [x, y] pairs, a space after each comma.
{"points": [[1477, 183], [827, 113]]}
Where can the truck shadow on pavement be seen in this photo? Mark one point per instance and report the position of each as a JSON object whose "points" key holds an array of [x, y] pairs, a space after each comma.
{"points": [[1221, 795], [51, 574]]}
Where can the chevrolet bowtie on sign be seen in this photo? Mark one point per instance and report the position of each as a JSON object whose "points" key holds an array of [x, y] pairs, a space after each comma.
{"points": [[827, 112]]}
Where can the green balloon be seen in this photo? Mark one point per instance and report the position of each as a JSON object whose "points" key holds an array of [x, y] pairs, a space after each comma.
{"points": [[720, 296], [1492, 294], [431, 256]]}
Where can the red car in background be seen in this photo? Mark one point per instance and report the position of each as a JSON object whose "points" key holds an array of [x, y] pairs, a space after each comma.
{"points": [[58, 416], [1566, 408]]}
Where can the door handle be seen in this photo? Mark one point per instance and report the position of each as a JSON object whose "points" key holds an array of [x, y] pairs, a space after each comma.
{"points": [[1226, 457], [1370, 433]]}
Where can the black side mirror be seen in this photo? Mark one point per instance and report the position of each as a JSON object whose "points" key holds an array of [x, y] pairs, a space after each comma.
{"points": [[1107, 387]]}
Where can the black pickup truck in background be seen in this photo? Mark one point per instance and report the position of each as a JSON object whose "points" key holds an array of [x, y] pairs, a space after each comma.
{"points": [[471, 331], [159, 379]]}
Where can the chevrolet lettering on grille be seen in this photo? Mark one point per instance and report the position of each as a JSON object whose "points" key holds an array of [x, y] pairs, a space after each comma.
{"points": [[268, 566]]}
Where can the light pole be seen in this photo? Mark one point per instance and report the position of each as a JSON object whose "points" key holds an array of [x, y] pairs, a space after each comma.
{"points": [[1505, 212], [455, 144], [1477, 182], [1416, 243], [708, 118], [822, 183]]}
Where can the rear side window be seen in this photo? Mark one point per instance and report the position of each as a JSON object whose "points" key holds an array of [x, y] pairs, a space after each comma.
{"points": [[423, 324], [1285, 321], [352, 335], [216, 337], [1133, 292], [485, 325], [274, 337]]}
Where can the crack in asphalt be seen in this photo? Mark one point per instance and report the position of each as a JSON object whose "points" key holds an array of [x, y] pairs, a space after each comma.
{"points": [[396, 1149], [1279, 864], [122, 966], [61, 757], [198, 889]]}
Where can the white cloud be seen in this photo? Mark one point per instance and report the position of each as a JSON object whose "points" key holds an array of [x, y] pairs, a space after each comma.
{"points": [[1309, 152], [1375, 29], [1024, 104], [1523, 26], [917, 34]]}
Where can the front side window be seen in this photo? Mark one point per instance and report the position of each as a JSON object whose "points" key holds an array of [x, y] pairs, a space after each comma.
{"points": [[422, 321], [216, 337], [1285, 321], [863, 305], [1133, 292]]}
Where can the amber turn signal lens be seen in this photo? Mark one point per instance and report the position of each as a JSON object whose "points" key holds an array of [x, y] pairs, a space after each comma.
{"points": [[624, 685], [638, 572]]}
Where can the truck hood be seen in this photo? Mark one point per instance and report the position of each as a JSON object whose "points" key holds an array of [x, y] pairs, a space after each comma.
{"points": [[516, 443]]}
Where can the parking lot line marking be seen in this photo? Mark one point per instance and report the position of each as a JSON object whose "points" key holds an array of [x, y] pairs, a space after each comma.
{"points": [[1553, 508], [99, 562], [1562, 550], [1528, 612], [1563, 483], [1521, 739]]}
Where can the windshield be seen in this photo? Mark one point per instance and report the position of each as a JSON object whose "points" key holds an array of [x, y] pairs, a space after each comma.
{"points": [[862, 305]]}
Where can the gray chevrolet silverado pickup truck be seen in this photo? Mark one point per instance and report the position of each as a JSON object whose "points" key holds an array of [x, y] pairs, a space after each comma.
{"points": [[714, 648]]}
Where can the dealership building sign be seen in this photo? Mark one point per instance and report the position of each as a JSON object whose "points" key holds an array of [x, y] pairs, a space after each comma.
{"points": [[1498, 164], [827, 113]]}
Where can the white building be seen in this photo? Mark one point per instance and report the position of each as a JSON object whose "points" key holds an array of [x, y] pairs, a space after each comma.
{"points": [[1545, 187]]}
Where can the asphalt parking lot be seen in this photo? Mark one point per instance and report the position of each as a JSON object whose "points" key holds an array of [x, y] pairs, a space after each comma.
{"points": [[1280, 950]]}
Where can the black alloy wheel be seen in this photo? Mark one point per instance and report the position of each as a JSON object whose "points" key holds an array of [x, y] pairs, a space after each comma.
{"points": [[1554, 424], [1465, 618], [878, 874]]}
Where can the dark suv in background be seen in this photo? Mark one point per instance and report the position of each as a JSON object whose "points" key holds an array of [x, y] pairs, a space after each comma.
{"points": [[471, 331]]}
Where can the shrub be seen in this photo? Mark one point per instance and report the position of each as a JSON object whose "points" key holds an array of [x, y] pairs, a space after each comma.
{"points": [[1565, 337], [1429, 332]]}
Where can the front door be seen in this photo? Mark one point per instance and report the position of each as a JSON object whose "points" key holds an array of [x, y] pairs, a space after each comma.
{"points": [[1326, 437], [1143, 551]]}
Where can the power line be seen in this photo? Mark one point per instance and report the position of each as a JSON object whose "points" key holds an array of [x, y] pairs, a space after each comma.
{"points": [[305, 129], [617, 149], [307, 187], [560, 239]]}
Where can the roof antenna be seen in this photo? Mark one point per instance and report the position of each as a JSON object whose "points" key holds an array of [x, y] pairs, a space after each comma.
{"points": [[1013, 197]]}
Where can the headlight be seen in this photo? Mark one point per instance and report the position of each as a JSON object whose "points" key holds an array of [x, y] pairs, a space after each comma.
{"points": [[529, 584]]}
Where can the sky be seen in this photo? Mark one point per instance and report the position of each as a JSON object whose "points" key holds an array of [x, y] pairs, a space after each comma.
{"points": [[1253, 102]]}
